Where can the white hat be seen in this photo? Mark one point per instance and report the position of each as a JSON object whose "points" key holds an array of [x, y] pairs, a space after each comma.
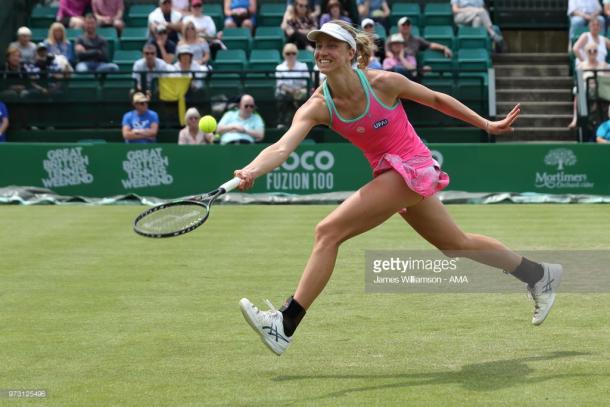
{"points": [[367, 21], [184, 49], [24, 31], [334, 30], [404, 20]]}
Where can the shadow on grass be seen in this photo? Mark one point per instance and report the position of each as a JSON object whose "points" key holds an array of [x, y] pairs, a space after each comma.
{"points": [[486, 376]]}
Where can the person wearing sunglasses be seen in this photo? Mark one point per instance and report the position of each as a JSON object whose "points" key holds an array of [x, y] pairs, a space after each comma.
{"points": [[140, 126], [243, 125], [191, 134], [291, 85], [593, 36], [297, 22], [149, 66]]}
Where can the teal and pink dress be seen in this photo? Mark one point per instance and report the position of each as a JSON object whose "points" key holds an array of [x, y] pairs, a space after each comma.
{"points": [[388, 141]]}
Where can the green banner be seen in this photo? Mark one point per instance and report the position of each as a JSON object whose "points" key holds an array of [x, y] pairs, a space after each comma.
{"points": [[169, 171]]}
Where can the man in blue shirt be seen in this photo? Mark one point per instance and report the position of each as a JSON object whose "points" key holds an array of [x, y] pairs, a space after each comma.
{"points": [[241, 126], [603, 131], [141, 124], [3, 121]]}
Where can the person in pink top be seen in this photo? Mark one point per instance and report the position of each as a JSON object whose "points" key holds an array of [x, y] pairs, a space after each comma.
{"points": [[71, 12], [109, 13], [365, 107]]}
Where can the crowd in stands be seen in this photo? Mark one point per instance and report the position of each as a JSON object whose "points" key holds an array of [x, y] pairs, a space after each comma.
{"points": [[183, 40]]}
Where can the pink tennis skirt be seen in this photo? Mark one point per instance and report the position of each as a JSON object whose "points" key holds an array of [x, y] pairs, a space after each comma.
{"points": [[421, 174]]}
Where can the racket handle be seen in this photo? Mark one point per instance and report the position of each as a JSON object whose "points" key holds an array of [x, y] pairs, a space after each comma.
{"points": [[231, 185]]}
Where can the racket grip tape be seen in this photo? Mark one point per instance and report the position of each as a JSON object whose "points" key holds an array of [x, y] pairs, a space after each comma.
{"points": [[231, 185]]}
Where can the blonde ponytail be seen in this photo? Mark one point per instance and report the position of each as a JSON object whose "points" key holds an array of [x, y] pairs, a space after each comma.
{"points": [[364, 43]]}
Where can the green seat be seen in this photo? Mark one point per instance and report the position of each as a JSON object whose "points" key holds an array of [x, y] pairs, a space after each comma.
{"points": [[268, 38], [438, 14], [414, 30], [380, 31], [411, 10], [215, 11], [138, 14], [472, 37], [39, 34], [42, 16], [264, 59], [230, 60], [438, 84], [271, 15], [81, 87], [437, 61], [262, 90], [73, 33], [442, 34], [224, 85], [117, 87], [306, 56], [472, 91], [133, 38], [476, 59], [237, 38], [125, 58]]}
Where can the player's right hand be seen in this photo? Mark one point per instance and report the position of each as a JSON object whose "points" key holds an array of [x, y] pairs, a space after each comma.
{"points": [[247, 179]]}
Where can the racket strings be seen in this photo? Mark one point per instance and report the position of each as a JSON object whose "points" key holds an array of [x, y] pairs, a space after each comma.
{"points": [[172, 219]]}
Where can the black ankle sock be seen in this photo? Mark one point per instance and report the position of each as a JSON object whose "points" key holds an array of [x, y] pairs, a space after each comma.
{"points": [[292, 313], [529, 272]]}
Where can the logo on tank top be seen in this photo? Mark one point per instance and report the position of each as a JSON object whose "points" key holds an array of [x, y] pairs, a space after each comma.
{"points": [[380, 123], [360, 129]]}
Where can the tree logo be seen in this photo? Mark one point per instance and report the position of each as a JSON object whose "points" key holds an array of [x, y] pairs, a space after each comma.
{"points": [[561, 157]]}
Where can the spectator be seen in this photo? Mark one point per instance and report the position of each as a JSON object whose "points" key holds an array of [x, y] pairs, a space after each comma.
{"points": [[602, 134], [240, 13], [314, 6], [109, 13], [3, 121], [588, 68], [199, 46], [581, 12], [335, 12], [592, 37], [297, 22], [46, 70], [473, 13], [377, 10], [397, 60], [186, 64], [149, 66], [191, 134], [205, 27], [368, 26], [166, 48], [92, 50], [15, 75], [25, 45], [141, 124], [71, 12], [241, 126], [349, 7], [291, 85], [164, 15], [413, 44], [58, 44], [181, 6]]}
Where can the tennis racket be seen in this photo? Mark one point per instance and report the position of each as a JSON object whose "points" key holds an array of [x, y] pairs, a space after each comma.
{"points": [[179, 217]]}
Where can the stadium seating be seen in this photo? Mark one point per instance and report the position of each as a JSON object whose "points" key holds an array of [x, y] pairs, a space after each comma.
{"points": [[133, 38], [215, 11], [264, 59], [224, 85], [125, 58], [271, 15], [230, 60], [442, 34], [42, 16], [473, 59], [306, 56], [138, 15], [438, 14], [437, 61], [473, 37], [411, 10], [237, 38], [268, 38]]}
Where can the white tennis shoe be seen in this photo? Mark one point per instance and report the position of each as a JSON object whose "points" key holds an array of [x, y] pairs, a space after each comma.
{"points": [[268, 324], [543, 292]]}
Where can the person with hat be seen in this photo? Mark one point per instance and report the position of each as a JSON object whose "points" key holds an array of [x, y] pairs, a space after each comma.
{"points": [[334, 11], [413, 44], [166, 48], [166, 16], [368, 25], [365, 107], [397, 60], [140, 125], [25, 45], [191, 134], [109, 13], [187, 66], [378, 10]]}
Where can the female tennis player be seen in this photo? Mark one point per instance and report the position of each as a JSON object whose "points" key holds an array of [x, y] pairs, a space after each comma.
{"points": [[364, 107]]}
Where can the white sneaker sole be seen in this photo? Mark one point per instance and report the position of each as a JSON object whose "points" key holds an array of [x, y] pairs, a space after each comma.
{"points": [[558, 276], [244, 305]]}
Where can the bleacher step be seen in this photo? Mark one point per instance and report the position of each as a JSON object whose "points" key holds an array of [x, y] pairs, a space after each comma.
{"points": [[503, 82], [536, 108], [525, 95], [529, 58], [532, 70], [547, 134], [544, 120]]}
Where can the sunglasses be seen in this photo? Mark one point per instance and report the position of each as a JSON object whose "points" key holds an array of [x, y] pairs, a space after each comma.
{"points": [[301, 5], [150, 53], [592, 51], [290, 53], [249, 106], [141, 103]]}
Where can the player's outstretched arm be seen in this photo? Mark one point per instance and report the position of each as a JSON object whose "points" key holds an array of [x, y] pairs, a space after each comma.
{"points": [[448, 105], [312, 113]]}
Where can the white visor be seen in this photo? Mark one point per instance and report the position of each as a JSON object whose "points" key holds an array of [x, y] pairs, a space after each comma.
{"points": [[335, 31]]}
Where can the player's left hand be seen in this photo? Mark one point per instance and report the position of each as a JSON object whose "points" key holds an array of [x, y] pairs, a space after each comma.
{"points": [[505, 125]]}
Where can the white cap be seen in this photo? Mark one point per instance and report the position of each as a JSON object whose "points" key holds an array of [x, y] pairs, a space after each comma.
{"points": [[334, 30], [184, 49], [367, 21], [24, 31]]}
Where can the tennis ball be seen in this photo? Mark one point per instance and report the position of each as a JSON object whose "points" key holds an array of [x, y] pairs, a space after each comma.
{"points": [[207, 124]]}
